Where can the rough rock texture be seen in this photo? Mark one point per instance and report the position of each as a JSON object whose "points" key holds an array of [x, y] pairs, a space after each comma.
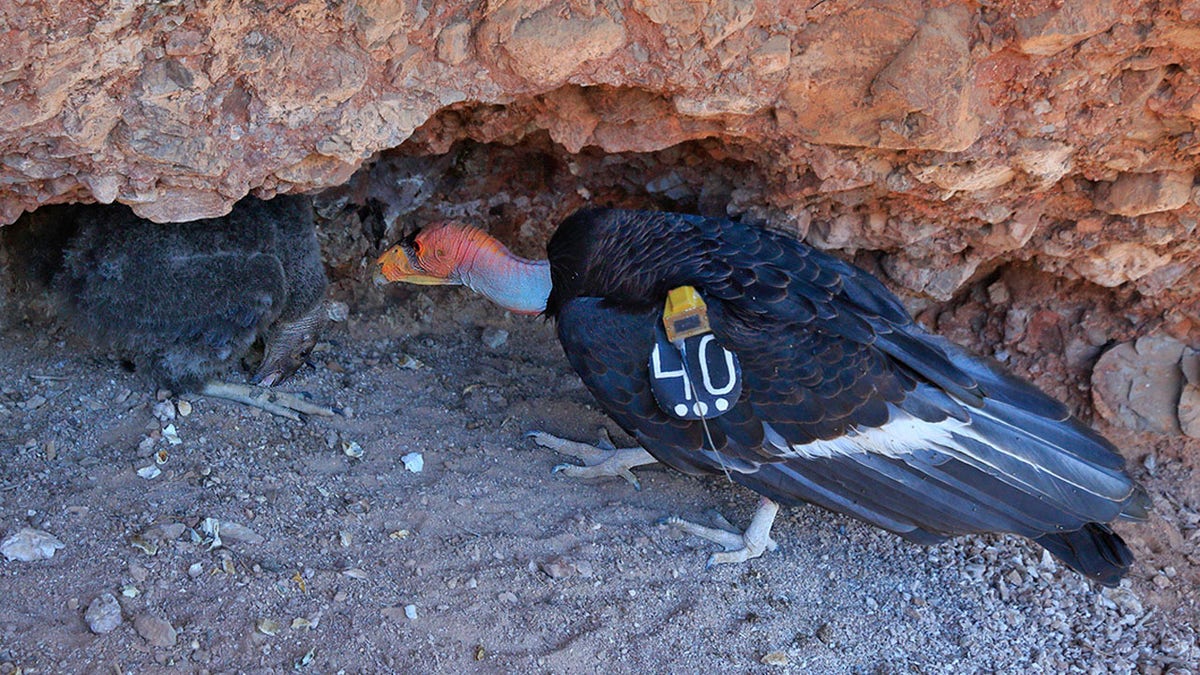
{"points": [[1150, 385], [952, 137]]}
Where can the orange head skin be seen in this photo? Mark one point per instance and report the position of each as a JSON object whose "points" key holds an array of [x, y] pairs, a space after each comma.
{"points": [[433, 256]]}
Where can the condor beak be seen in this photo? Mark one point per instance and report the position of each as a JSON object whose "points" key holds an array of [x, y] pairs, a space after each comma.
{"points": [[396, 265]]}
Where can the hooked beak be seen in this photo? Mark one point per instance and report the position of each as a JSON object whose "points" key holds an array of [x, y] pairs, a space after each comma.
{"points": [[397, 265]]}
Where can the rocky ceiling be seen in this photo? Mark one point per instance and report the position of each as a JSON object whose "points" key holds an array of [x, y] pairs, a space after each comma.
{"points": [[957, 136]]}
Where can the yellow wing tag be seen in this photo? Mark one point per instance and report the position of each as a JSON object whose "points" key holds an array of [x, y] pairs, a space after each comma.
{"points": [[692, 376], [685, 314]]}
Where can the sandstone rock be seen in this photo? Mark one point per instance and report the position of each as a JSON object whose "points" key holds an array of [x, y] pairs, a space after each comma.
{"points": [[682, 15], [1137, 385], [773, 56], [1013, 233], [28, 545], [724, 18], [966, 177], [1136, 194], [453, 45], [904, 82], [103, 614], [1182, 37], [1044, 160], [1071, 22], [936, 279], [716, 104], [155, 630], [379, 20], [893, 126], [550, 44], [178, 204], [1189, 398], [1115, 264]]}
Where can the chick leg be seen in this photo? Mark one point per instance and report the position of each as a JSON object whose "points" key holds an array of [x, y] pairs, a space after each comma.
{"points": [[739, 547], [598, 460], [275, 402]]}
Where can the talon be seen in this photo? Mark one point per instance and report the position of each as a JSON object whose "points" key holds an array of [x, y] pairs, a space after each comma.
{"points": [[597, 462], [739, 547]]}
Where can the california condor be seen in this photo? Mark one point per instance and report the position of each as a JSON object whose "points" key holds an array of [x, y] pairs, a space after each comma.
{"points": [[725, 348]]}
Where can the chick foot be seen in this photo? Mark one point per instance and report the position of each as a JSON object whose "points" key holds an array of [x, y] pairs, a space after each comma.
{"points": [[739, 547], [600, 460], [279, 403]]}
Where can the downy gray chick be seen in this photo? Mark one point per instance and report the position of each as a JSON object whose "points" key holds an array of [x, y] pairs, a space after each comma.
{"points": [[186, 301]]}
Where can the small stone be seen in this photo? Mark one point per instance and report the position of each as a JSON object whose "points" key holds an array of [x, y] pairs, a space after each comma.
{"points": [[1138, 385], [170, 530], [34, 402], [28, 545], [103, 614], [1189, 398], [337, 311], [509, 597], [138, 573], [998, 293], [558, 568], [171, 435], [1136, 194], [184, 408], [156, 631], [239, 533], [195, 570], [454, 43], [164, 411], [410, 611], [494, 338], [414, 462], [775, 659]]}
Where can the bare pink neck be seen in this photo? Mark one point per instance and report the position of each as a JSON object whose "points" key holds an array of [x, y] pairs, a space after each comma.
{"points": [[513, 282]]}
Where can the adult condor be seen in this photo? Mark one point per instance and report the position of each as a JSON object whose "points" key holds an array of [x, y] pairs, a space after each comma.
{"points": [[724, 348]]}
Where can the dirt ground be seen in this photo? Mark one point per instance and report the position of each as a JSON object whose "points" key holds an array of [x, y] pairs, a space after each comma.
{"points": [[486, 561]]}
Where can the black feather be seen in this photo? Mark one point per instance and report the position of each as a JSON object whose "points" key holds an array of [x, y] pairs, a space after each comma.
{"points": [[828, 357]]}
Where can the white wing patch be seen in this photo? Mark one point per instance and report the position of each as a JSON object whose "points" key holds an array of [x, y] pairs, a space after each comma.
{"points": [[900, 436]]}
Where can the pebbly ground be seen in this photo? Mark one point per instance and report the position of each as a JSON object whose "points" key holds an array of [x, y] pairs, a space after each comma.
{"points": [[486, 561]]}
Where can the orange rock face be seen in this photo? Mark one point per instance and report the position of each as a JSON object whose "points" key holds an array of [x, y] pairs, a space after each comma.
{"points": [[950, 136]]}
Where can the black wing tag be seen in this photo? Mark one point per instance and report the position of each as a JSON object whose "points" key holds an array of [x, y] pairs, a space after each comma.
{"points": [[692, 377]]}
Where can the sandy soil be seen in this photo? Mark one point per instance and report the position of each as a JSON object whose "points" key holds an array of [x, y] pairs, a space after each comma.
{"points": [[506, 566]]}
